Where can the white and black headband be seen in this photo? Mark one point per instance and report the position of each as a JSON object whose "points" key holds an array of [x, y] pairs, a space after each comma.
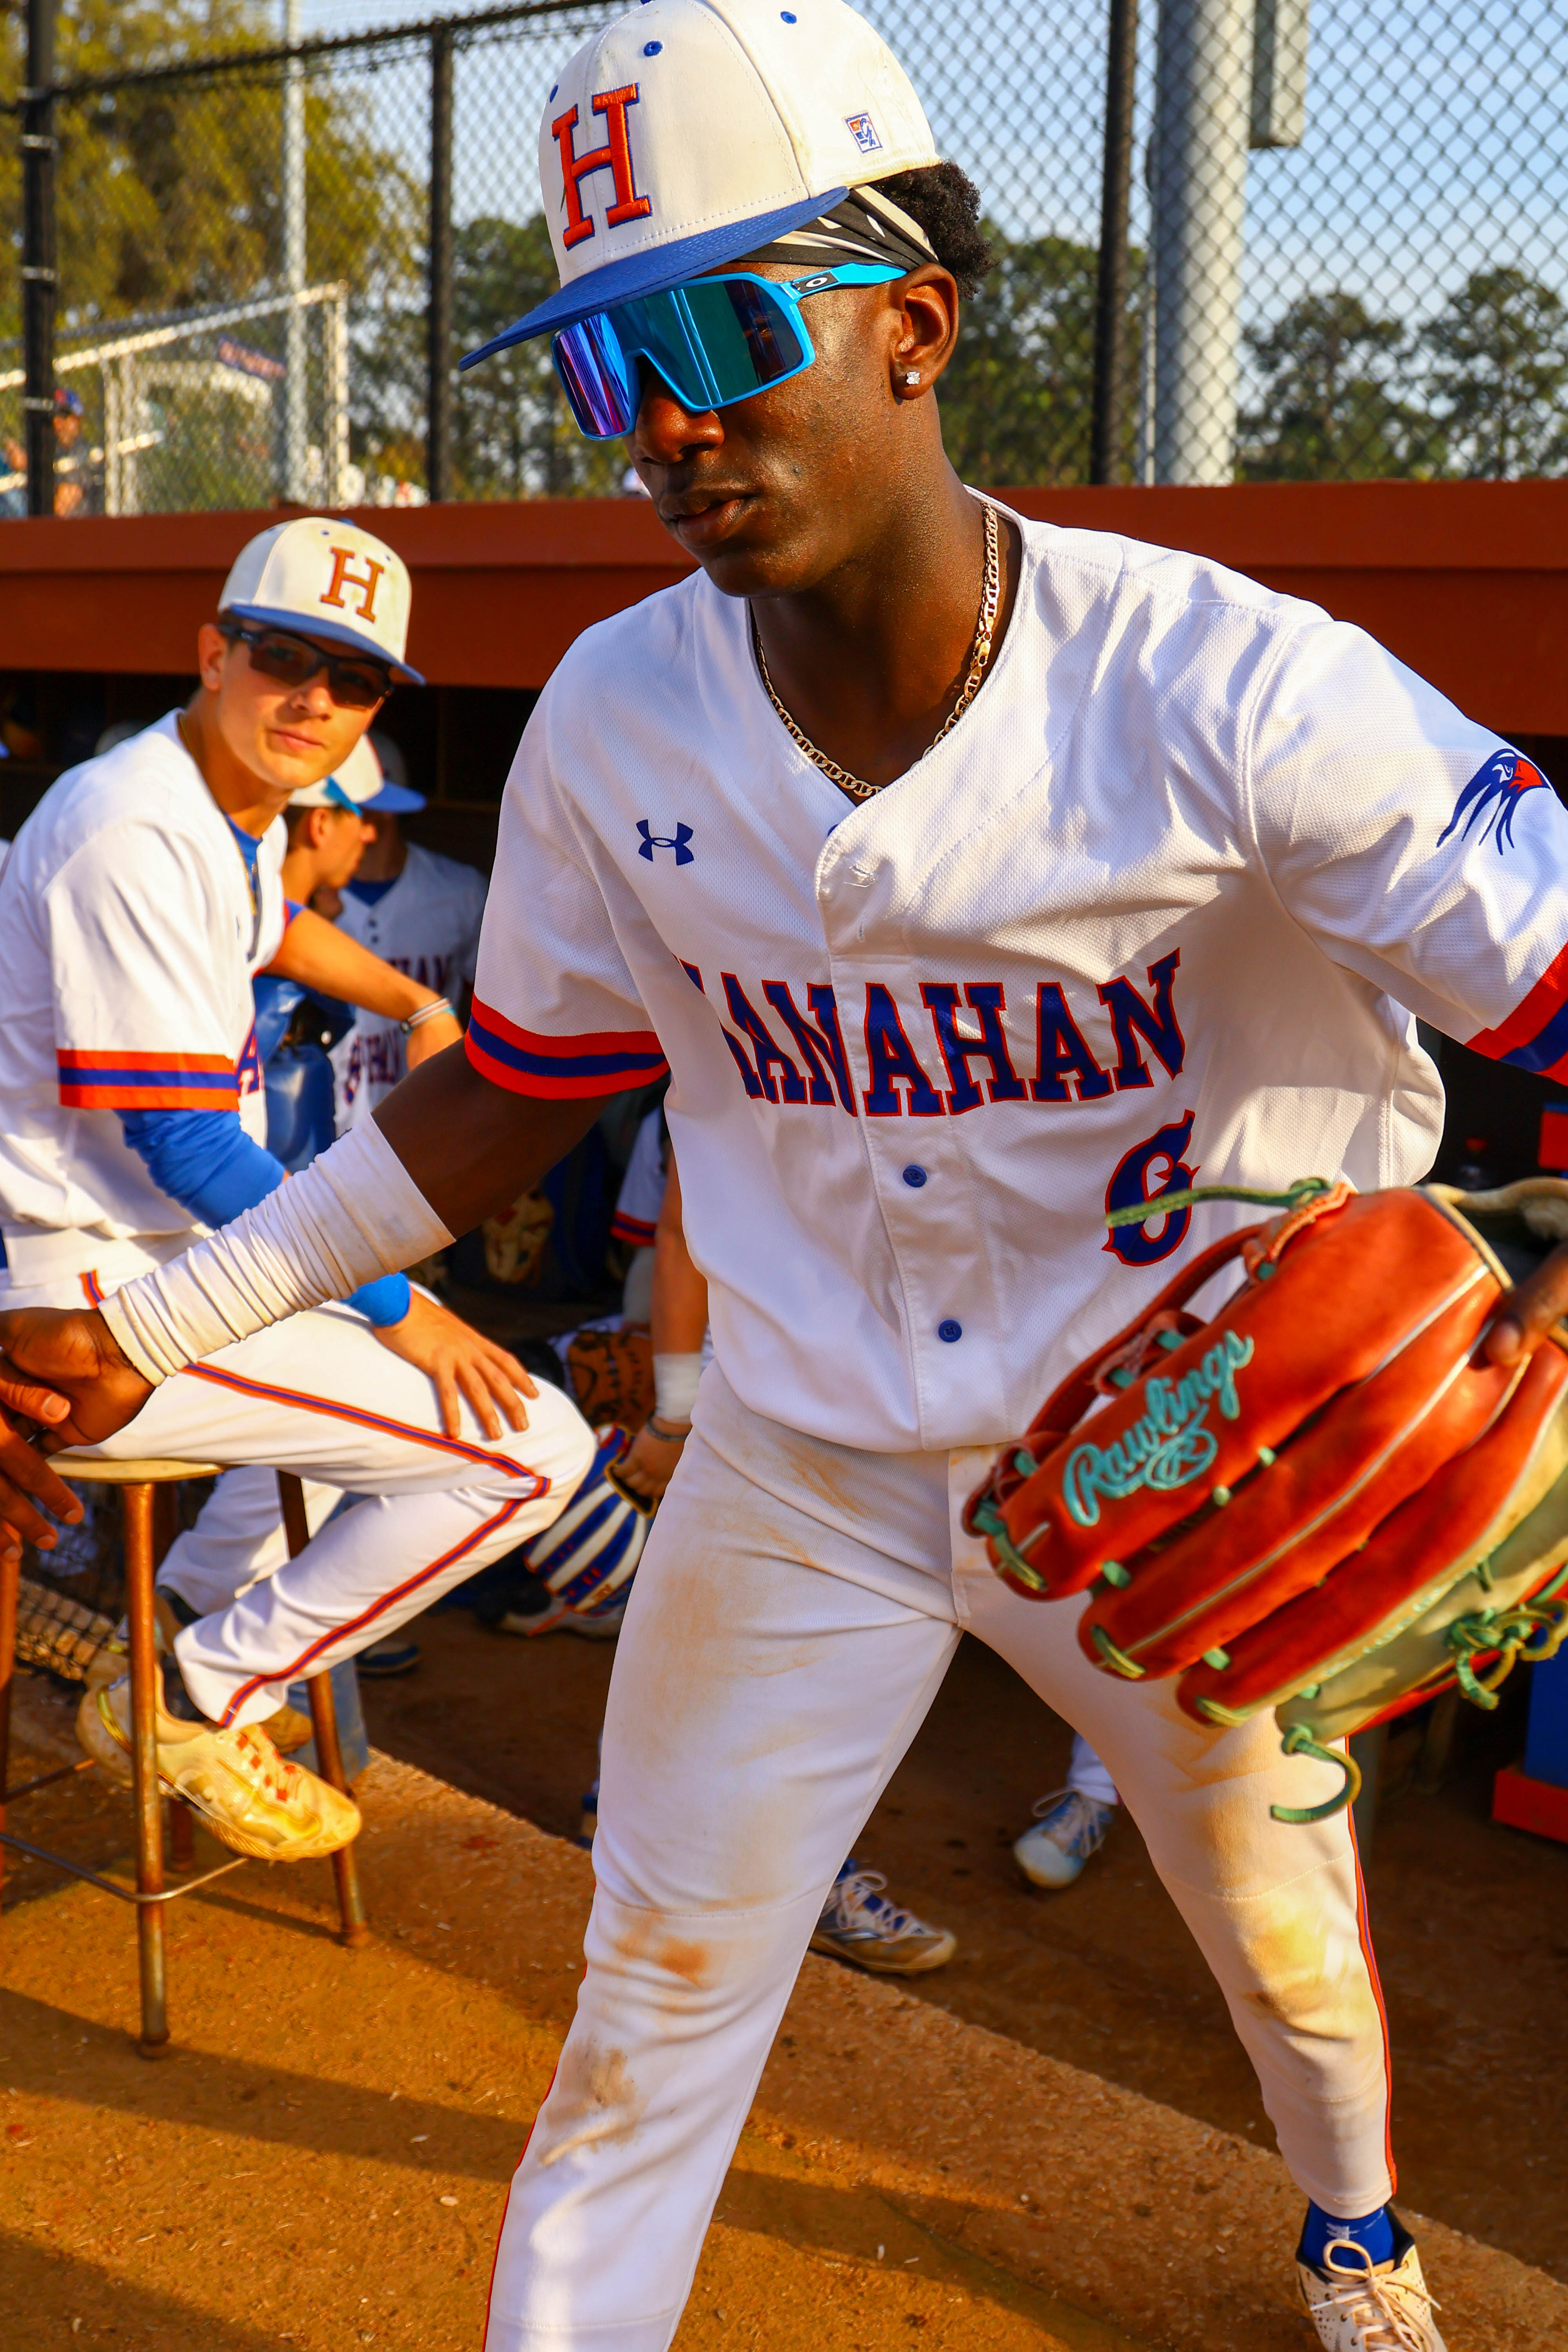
{"points": [[866, 226]]}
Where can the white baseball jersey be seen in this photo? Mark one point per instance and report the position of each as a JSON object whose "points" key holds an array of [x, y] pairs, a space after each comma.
{"points": [[427, 925], [1159, 910], [641, 1196], [129, 937]]}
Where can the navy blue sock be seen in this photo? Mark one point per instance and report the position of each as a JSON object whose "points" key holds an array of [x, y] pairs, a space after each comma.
{"points": [[177, 1700], [1374, 2232]]}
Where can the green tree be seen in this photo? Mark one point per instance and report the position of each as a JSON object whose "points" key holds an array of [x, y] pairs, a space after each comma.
{"points": [[1501, 354], [1017, 399], [515, 435], [1330, 409], [168, 196]]}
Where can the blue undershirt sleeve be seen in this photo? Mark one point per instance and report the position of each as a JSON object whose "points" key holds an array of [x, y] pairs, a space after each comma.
{"points": [[205, 1161]]}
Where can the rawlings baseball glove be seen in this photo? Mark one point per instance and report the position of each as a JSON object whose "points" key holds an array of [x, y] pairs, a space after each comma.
{"points": [[1322, 1500]]}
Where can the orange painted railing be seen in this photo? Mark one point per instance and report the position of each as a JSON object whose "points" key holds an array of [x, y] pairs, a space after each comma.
{"points": [[1465, 581]]}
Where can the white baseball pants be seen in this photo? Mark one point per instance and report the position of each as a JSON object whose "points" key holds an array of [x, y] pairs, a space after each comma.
{"points": [[318, 1395], [794, 1614]]}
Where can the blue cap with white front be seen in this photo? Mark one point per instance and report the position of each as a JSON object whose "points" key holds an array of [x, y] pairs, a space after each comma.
{"points": [[690, 132]]}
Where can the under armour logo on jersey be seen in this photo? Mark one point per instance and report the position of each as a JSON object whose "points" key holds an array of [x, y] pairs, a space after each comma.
{"points": [[1493, 793], [675, 841]]}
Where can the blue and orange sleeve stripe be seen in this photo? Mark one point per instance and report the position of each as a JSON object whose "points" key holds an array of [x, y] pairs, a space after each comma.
{"points": [[598, 1062], [1535, 1035], [134, 1081]]}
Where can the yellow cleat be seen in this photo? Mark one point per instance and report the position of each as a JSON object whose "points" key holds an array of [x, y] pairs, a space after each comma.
{"points": [[250, 1796]]}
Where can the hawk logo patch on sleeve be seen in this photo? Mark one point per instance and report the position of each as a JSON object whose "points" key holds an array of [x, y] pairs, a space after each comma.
{"points": [[1492, 796]]}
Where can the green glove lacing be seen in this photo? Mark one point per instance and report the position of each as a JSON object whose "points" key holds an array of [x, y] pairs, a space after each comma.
{"points": [[990, 1522], [1306, 1188], [1526, 1631]]}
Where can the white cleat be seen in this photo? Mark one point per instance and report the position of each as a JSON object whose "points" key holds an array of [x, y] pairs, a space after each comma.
{"points": [[1363, 2307]]}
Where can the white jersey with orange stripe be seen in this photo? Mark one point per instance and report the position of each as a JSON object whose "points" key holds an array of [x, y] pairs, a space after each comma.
{"points": [[641, 1196], [1160, 909], [425, 923], [130, 933]]}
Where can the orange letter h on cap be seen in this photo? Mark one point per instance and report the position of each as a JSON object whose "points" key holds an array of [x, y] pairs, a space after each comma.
{"points": [[343, 578], [614, 156]]}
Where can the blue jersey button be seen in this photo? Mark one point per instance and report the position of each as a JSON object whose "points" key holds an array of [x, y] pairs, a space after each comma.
{"points": [[915, 1176], [949, 1329]]}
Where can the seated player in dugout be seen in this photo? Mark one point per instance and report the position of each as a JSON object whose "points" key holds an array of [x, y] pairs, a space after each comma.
{"points": [[972, 876], [419, 911], [142, 897]]}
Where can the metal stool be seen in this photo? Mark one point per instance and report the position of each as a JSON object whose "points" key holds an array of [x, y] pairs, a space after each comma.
{"points": [[139, 1480]]}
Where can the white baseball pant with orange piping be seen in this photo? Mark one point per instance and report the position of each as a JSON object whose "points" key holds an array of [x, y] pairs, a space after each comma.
{"points": [[794, 1613], [319, 1394]]}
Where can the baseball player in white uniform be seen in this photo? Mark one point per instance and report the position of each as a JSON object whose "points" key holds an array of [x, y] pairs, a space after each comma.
{"points": [[972, 876], [421, 913], [141, 899]]}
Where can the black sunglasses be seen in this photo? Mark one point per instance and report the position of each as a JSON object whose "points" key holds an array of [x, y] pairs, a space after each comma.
{"points": [[295, 661]]}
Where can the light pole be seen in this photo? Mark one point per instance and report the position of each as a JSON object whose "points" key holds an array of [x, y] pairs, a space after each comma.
{"points": [[296, 392], [1230, 74], [1198, 186], [39, 258]]}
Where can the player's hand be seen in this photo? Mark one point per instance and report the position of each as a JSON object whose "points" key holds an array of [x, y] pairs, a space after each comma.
{"points": [[649, 1464], [461, 1362], [1531, 1310], [62, 1373], [432, 1037]]}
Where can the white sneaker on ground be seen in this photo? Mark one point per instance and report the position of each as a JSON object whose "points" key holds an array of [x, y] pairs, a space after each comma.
{"points": [[1071, 1828], [550, 1615], [858, 1924], [249, 1796], [1357, 2305]]}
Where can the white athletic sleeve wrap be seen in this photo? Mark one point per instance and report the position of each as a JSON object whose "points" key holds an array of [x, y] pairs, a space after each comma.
{"points": [[675, 1380], [354, 1215]]}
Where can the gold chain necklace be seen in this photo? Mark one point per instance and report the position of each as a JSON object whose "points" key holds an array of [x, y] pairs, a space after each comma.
{"points": [[979, 662]]}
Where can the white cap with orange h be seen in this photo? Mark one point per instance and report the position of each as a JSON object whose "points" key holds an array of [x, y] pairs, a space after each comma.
{"points": [[326, 580]]}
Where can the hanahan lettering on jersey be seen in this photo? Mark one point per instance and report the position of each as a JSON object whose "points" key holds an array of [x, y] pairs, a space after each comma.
{"points": [[1492, 796], [374, 1059], [960, 1051], [437, 971]]}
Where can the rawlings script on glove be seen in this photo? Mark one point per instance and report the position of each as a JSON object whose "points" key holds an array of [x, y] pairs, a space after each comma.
{"points": [[1327, 1500]]}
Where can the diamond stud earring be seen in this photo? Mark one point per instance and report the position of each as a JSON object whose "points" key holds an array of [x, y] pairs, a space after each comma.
{"points": [[911, 375]]}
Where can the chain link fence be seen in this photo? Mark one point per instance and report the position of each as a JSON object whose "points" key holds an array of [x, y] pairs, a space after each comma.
{"points": [[1257, 239]]}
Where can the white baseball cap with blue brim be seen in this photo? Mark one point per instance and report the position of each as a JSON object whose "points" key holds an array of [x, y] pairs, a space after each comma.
{"points": [[353, 786], [692, 132], [397, 797], [329, 579]]}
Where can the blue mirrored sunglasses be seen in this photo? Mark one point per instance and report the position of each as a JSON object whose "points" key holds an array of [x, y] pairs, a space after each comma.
{"points": [[713, 340]]}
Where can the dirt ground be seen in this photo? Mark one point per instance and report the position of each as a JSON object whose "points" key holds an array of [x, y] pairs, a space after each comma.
{"points": [[1470, 1919], [321, 2162]]}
